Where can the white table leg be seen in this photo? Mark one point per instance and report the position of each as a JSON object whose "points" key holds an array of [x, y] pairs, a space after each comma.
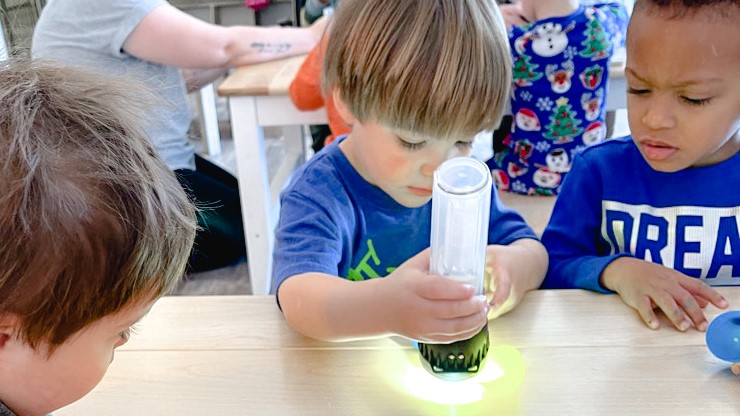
{"points": [[254, 191], [210, 120], [295, 142], [3, 45], [294, 156]]}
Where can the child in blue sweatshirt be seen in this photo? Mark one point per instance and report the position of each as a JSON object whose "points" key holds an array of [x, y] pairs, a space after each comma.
{"points": [[653, 217]]}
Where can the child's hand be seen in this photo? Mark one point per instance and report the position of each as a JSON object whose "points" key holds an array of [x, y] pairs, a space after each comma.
{"points": [[498, 281], [511, 271], [646, 286], [736, 369], [429, 308]]}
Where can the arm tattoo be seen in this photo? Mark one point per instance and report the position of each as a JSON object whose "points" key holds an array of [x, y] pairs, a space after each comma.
{"points": [[270, 48]]}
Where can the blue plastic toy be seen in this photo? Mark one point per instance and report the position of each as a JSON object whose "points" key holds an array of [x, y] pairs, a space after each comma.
{"points": [[723, 336]]}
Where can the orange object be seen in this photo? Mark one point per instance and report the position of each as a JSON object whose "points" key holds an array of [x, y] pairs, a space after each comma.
{"points": [[305, 91]]}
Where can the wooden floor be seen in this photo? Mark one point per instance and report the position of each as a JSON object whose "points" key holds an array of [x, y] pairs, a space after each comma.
{"points": [[231, 280]]}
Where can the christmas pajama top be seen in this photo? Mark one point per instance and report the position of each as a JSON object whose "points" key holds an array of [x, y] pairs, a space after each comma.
{"points": [[561, 70], [614, 204], [333, 221]]}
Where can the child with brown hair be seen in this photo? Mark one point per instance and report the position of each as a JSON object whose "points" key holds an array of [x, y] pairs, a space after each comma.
{"points": [[93, 229], [416, 81]]}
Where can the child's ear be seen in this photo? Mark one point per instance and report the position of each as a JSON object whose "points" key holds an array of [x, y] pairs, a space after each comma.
{"points": [[9, 325], [342, 109]]}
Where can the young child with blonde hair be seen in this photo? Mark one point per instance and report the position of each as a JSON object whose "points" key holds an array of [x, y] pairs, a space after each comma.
{"points": [[416, 81]]}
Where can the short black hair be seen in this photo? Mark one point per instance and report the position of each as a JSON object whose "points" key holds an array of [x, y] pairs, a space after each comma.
{"points": [[683, 8]]}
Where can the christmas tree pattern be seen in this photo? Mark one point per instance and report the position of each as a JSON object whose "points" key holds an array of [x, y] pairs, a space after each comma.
{"points": [[596, 45], [524, 71], [563, 125]]}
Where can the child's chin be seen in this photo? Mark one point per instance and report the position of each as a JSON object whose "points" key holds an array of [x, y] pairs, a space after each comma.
{"points": [[664, 167], [415, 203]]}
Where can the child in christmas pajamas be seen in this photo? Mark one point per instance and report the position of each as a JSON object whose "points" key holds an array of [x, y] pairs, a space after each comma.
{"points": [[561, 70]]}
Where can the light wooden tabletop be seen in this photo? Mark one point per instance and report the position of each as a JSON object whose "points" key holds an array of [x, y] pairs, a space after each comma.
{"points": [[566, 352], [266, 78], [274, 77]]}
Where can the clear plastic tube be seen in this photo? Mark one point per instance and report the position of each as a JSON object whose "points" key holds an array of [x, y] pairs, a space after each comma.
{"points": [[461, 202]]}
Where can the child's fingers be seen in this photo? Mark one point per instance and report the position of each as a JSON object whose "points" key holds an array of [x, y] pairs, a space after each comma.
{"points": [[700, 289], [672, 310], [420, 260], [436, 287], [502, 289], [645, 307], [692, 308], [702, 302], [736, 369], [451, 309], [450, 330]]}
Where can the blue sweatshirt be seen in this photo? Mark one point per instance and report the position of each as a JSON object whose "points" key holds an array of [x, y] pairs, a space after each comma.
{"points": [[614, 204]]}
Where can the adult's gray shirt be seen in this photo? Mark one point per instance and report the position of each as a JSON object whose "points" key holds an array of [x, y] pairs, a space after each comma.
{"points": [[91, 34]]}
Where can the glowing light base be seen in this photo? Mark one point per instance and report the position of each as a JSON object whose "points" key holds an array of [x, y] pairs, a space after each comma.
{"points": [[493, 387], [456, 361]]}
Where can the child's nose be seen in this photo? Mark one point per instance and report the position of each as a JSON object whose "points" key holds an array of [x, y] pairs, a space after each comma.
{"points": [[432, 159], [658, 116]]}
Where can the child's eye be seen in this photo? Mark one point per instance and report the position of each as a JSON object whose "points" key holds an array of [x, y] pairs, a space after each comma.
{"points": [[696, 101], [464, 145], [409, 145], [636, 91]]}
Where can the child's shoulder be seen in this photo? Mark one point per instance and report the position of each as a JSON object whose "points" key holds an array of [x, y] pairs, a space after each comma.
{"points": [[327, 179], [320, 173], [618, 148]]}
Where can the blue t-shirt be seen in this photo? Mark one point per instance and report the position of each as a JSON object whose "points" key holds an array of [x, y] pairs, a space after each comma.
{"points": [[561, 71], [614, 204], [333, 221]]}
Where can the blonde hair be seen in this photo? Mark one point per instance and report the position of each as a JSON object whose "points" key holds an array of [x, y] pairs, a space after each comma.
{"points": [[91, 220], [440, 68]]}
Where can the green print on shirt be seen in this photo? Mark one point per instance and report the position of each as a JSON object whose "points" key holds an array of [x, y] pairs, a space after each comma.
{"points": [[364, 269]]}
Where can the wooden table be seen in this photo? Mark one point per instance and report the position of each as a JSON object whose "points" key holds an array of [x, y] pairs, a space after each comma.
{"points": [[562, 352]]}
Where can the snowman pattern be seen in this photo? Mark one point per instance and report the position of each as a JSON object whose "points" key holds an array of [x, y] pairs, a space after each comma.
{"points": [[558, 161], [548, 39], [557, 59]]}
